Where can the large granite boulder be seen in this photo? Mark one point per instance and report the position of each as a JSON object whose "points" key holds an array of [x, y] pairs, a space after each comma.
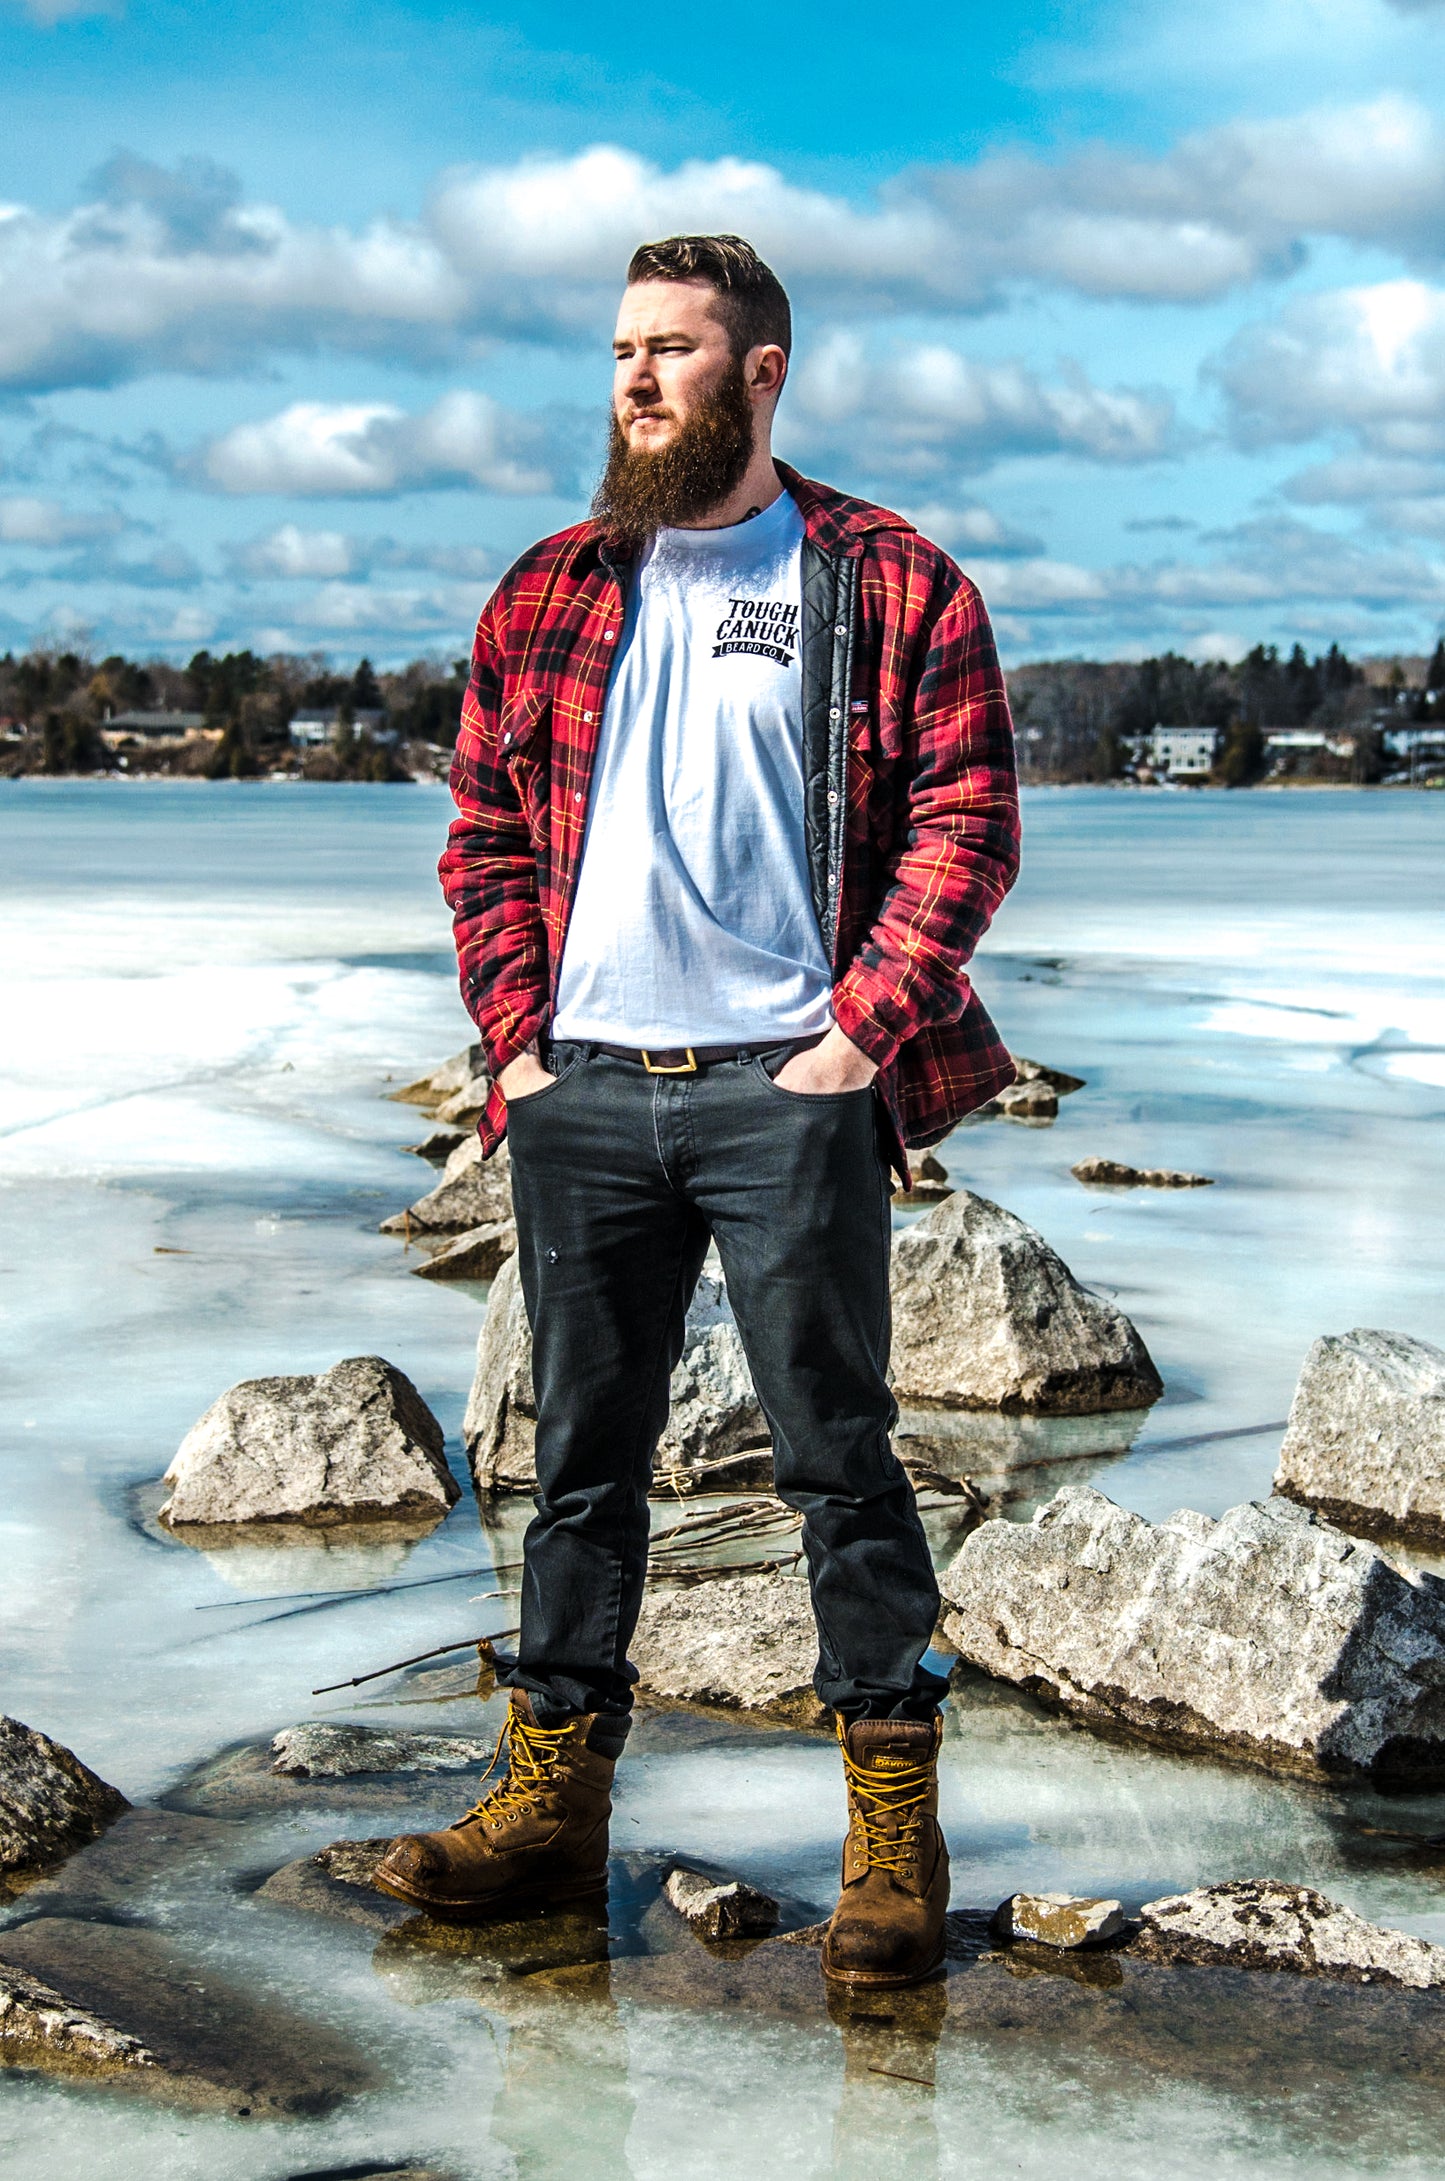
{"points": [[986, 1316], [50, 1803], [715, 1416], [745, 1641], [1258, 1923], [473, 1192], [355, 1443], [1265, 1636], [1365, 1443]]}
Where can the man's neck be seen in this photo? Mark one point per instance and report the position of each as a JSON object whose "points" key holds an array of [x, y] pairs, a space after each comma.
{"points": [[761, 485]]}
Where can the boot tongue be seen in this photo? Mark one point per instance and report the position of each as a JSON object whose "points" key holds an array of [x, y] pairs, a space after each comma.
{"points": [[891, 1745]]}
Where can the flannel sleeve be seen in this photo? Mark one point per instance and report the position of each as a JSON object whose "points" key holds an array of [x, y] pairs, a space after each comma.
{"points": [[960, 850], [489, 872]]}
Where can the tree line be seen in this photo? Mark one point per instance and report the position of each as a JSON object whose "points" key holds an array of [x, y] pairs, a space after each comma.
{"points": [[1077, 718], [55, 703]]}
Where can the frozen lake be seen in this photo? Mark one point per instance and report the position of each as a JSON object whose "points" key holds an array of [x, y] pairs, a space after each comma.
{"points": [[205, 992]]}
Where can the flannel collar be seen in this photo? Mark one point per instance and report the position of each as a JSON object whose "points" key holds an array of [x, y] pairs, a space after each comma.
{"points": [[833, 521]]}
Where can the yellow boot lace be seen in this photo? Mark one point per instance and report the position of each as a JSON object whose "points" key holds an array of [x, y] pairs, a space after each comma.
{"points": [[532, 1754], [880, 1798]]}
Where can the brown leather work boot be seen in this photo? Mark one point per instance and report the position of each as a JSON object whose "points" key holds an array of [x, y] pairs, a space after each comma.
{"points": [[540, 1836], [888, 1925]]}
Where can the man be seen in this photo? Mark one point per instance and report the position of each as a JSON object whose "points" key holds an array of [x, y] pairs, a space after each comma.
{"points": [[736, 794]]}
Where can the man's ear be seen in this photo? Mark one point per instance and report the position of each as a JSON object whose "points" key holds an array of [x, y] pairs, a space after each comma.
{"points": [[767, 368]]}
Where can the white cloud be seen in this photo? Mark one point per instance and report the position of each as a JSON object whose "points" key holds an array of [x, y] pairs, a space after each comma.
{"points": [[1364, 365], [27, 521], [374, 448], [291, 554], [172, 269], [968, 527], [922, 410]]}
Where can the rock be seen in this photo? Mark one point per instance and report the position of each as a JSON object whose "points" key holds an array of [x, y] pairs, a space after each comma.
{"points": [[50, 1803], [464, 1108], [715, 1417], [336, 1883], [39, 2027], [501, 1411], [316, 1752], [438, 1144], [479, 1254], [1266, 1636], [472, 1192], [1110, 1174], [1034, 1071], [715, 1414], [1258, 1923], [741, 1640], [1036, 1102], [930, 1184], [986, 1316], [443, 1082], [353, 1443], [1064, 1920], [103, 1999], [1365, 1443], [720, 1910]]}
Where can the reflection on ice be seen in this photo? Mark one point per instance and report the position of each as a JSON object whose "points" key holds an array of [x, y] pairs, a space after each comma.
{"points": [[285, 1559], [1017, 1461]]}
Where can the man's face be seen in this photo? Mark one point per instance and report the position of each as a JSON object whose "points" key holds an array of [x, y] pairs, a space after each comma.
{"points": [[672, 355]]}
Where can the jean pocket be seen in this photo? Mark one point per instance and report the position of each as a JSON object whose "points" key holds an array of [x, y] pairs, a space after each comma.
{"points": [[541, 1097], [809, 1098]]}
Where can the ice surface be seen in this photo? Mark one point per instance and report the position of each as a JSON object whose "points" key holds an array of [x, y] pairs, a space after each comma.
{"points": [[204, 993]]}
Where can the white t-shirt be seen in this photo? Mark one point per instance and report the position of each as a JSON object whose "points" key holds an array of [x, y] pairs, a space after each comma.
{"points": [[693, 922]]}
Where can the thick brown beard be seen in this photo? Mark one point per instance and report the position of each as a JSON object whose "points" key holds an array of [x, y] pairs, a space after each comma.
{"points": [[641, 491]]}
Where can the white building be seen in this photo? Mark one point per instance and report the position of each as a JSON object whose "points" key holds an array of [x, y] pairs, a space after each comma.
{"points": [[314, 730], [1184, 753]]}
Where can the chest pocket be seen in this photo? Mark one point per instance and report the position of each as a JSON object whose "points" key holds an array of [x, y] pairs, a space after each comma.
{"points": [[525, 748]]}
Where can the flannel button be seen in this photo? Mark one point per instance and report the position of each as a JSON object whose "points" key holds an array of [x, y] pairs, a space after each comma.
{"points": [[578, 796], [607, 635], [587, 715], [506, 738]]}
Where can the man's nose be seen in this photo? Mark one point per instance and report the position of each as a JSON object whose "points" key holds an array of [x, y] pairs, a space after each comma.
{"points": [[638, 380]]}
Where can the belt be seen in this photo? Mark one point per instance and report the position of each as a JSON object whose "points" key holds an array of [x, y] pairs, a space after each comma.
{"points": [[681, 1059]]}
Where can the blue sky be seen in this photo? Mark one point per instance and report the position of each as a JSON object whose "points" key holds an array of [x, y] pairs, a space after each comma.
{"points": [[304, 310]]}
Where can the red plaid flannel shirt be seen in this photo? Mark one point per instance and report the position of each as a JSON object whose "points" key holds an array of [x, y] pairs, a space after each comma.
{"points": [[932, 837]]}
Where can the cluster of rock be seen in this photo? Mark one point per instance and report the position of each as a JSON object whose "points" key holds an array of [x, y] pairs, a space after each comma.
{"points": [[1033, 1096], [1267, 1636], [1245, 1923], [1112, 1174]]}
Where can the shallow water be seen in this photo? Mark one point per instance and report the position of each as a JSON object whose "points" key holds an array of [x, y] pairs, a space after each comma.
{"points": [[205, 991]]}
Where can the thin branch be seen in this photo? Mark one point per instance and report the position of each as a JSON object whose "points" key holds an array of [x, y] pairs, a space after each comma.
{"points": [[481, 1644]]}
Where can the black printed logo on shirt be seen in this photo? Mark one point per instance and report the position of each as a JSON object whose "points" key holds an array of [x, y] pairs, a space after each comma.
{"points": [[764, 627]]}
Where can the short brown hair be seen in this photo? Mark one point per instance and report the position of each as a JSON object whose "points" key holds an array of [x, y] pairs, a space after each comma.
{"points": [[752, 302]]}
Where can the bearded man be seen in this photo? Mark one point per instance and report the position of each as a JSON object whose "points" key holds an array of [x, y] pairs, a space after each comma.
{"points": [[736, 801]]}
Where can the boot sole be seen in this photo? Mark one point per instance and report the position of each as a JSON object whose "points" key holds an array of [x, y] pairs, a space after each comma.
{"points": [[493, 1908], [866, 1980]]}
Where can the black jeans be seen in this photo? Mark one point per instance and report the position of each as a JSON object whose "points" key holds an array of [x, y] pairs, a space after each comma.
{"points": [[619, 1178]]}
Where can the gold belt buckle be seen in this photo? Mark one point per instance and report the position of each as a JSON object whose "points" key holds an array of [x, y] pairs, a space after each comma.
{"points": [[689, 1066]]}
